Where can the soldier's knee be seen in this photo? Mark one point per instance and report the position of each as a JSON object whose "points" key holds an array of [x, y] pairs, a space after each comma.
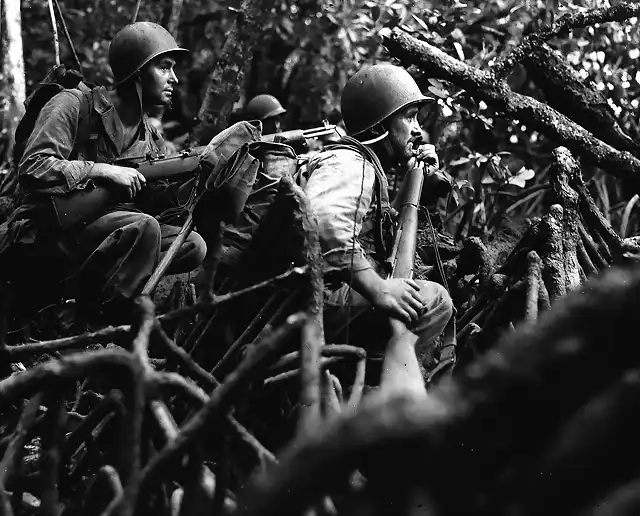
{"points": [[149, 232], [436, 300], [196, 250]]}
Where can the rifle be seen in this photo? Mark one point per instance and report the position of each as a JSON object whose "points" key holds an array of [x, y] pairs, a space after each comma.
{"points": [[81, 206], [404, 247], [400, 368], [300, 135]]}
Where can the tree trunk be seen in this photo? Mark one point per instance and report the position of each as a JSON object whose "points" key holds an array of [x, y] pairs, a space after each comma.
{"points": [[228, 73], [174, 17], [12, 88]]}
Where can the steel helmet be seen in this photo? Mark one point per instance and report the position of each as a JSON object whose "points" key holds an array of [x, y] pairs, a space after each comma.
{"points": [[376, 92], [264, 106], [135, 45]]}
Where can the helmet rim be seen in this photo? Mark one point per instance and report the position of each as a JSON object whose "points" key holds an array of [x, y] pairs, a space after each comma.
{"points": [[274, 113], [146, 61], [420, 102]]}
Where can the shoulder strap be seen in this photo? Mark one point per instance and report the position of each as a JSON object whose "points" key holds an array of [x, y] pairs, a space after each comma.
{"points": [[87, 136], [33, 105]]}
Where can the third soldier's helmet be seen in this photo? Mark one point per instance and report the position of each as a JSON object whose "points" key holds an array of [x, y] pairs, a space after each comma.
{"points": [[135, 45], [376, 92], [263, 107]]}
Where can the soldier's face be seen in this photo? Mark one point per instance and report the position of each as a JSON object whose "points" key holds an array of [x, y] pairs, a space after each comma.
{"points": [[158, 79], [404, 130], [271, 125]]}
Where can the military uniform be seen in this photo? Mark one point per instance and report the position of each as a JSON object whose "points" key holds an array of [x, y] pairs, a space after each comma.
{"points": [[118, 250], [346, 195]]}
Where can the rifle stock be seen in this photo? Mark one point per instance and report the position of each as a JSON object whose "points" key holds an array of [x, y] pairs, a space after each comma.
{"points": [[82, 206]]}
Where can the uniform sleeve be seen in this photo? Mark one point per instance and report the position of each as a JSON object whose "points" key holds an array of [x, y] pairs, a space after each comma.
{"points": [[45, 166], [340, 191]]}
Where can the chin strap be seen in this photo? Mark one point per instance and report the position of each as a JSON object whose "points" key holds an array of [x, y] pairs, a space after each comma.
{"points": [[376, 139], [139, 92]]}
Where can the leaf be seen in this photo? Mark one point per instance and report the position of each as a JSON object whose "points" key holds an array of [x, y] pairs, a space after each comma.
{"points": [[521, 177], [496, 169], [487, 122], [456, 197], [437, 92], [420, 22], [459, 50], [459, 161], [463, 185], [443, 176]]}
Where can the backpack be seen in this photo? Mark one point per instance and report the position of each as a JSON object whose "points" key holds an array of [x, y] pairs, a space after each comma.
{"points": [[56, 81], [278, 160]]}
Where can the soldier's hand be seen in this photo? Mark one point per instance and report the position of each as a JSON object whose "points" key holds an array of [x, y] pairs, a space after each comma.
{"points": [[425, 154], [400, 298], [129, 179]]}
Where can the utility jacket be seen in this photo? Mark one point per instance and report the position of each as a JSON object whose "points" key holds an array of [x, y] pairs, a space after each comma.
{"points": [[345, 195], [74, 130]]}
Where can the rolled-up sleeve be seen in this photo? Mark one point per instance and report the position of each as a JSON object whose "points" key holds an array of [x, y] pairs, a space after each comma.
{"points": [[340, 191], [45, 167]]}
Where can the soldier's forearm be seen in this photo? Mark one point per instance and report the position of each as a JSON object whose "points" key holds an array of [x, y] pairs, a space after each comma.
{"points": [[368, 284]]}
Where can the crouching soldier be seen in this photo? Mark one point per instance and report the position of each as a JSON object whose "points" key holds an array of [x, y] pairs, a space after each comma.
{"points": [[348, 191], [76, 135]]}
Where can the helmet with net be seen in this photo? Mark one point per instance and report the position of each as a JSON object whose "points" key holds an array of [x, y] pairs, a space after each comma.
{"points": [[375, 93], [135, 45]]}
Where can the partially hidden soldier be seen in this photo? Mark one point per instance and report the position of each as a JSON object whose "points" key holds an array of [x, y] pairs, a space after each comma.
{"points": [[268, 110], [347, 187], [77, 134]]}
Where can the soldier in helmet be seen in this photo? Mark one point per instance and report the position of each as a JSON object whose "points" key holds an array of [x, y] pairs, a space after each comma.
{"points": [[348, 191], [118, 250], [268, 110]]}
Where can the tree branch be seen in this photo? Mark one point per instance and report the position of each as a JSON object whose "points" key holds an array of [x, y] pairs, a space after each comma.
{"points": [[21, 352], [13, 453], [535, 114], [620, 12], [222, 398], [67, 367]]}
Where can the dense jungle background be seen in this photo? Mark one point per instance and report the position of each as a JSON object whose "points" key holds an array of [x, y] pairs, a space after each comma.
{"points": [[533, 397], [305, 51]]}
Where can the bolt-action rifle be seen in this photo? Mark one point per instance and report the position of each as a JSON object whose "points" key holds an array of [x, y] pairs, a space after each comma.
{"points": [[82, 206]]}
